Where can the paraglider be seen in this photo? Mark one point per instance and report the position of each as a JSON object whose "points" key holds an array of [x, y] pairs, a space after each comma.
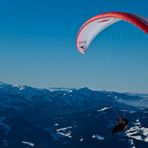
{"points": [[121, 125], [96, 24]]}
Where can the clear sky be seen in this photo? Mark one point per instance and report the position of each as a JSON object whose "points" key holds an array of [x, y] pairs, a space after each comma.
{"points": [[37, 45]]}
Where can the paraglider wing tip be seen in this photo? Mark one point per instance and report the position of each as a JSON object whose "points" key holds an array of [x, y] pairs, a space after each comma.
{"points": [[81, 51]]}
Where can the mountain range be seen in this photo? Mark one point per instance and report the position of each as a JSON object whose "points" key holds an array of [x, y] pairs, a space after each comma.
{"points": [[63, 118]]}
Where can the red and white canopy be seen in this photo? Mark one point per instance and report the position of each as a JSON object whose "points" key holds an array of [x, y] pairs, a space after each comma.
{"points": [[98, 23]]}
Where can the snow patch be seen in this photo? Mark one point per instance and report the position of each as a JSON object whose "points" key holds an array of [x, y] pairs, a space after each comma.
{"points": [[103, 109], [19, 87], [53, 89], [116, 97], [70, 91], [28, 143], [65, 131], [98, 137], [56, 124], [137, 132], [81, 139]]}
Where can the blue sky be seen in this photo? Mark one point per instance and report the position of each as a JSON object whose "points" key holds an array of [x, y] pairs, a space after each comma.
{"points": [[37, 45]]}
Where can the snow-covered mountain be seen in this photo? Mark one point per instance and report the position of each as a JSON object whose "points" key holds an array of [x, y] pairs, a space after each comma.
{"points": [[60, 96], [62, 117]]}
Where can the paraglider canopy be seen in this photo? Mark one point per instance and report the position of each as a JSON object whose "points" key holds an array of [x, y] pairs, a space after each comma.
{"points": [[98, 23]]}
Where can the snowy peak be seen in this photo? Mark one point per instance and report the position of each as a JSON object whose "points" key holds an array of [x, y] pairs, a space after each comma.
{"points": [[21, 90]]}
